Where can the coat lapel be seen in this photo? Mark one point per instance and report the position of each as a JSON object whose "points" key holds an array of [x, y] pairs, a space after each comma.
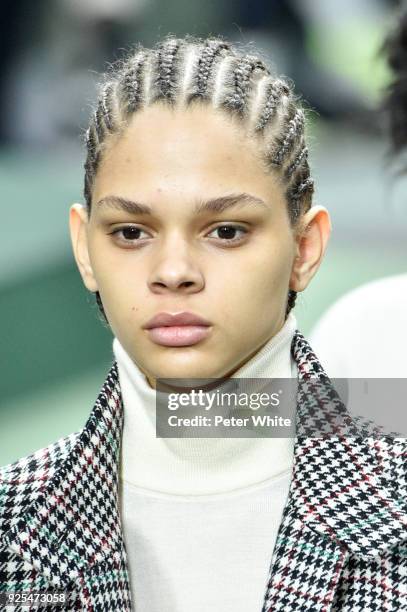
{"points": [[343, 498], [72, 529]]}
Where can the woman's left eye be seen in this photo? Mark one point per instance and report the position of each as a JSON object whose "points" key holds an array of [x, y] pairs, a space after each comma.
{"points": [[228, 232]]}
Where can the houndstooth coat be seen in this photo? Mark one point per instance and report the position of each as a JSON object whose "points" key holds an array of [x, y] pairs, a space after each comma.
{"points": [[341, 545]]}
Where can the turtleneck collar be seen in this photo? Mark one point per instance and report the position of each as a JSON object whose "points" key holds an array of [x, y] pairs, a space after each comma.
{"points": [[200, 466]]}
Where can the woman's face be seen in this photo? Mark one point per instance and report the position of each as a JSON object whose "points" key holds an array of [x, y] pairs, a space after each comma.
{"points": [[177, 259]]}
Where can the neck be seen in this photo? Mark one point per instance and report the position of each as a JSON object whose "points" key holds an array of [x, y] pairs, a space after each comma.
{"points": [[197, 466]]}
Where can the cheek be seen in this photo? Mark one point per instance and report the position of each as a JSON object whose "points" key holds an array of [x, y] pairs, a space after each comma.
{"points": [[112, 277], [255, 285], [108, 264]]}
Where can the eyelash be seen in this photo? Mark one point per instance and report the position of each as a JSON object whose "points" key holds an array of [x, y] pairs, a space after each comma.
{"points": [[231, 241]]}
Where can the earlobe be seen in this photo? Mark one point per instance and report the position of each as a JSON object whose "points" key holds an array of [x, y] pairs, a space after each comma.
{"points": [[78, 219], [311, 245]]}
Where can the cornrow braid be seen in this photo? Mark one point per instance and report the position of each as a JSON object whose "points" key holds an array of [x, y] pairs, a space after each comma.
{"points": [[177, 71], [166, 78], [294, 130], [292, 296], [107, 106], [298, 192], [242, 72], [132, 83], [92, 161], [274, 92], [301, 188], [211, 50], [300, 158], [99, 122]]}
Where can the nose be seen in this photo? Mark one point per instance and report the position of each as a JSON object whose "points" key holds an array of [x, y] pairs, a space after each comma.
{"points": [[176, 271]]}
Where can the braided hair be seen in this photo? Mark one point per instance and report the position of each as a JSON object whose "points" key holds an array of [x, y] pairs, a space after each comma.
{"points": [[179, 71]]}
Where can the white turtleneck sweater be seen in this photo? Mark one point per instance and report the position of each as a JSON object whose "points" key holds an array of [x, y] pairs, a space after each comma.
{"points": [[200, 515]]}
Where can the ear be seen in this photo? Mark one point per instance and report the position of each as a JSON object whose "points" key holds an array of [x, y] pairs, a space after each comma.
{"points": [[311, 243], [78, 221]]}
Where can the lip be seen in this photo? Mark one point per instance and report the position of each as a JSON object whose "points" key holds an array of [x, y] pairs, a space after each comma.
{"points": [[180, 329], [166, 319], [179, 335]]}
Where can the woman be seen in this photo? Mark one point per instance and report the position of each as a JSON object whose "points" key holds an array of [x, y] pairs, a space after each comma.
{"points": [[196, 235]]}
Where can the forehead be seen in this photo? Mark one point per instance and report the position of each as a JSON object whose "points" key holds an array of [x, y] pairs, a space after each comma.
{"points": [[197, 148]]}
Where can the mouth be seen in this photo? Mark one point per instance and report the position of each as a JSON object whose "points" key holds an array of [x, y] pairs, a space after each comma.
{"points": [[179, 335], [178, 329]]}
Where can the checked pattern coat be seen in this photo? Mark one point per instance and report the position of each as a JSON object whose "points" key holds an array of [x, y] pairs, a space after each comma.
{"points": [[341, 545]]}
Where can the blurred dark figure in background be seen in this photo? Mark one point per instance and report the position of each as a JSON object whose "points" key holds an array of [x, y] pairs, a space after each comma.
{"points": [[285, 23], [364, 334], [15, 19], [47, 54], [396, 100]]}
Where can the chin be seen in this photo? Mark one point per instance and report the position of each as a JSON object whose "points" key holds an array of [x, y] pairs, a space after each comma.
{"points": [[187, 371]]}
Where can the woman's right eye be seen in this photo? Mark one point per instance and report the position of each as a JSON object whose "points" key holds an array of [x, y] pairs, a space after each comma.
{"points": [[128, 234]]}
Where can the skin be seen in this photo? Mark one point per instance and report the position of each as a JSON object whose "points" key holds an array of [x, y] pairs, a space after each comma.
{"points": [[169, 159]]}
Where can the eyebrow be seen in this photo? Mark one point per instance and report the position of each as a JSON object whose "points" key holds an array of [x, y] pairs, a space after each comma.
{"points": [[218, 205]]}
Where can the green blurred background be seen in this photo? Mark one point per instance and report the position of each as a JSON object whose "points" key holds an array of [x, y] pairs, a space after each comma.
{"points": [[55, 351]]}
